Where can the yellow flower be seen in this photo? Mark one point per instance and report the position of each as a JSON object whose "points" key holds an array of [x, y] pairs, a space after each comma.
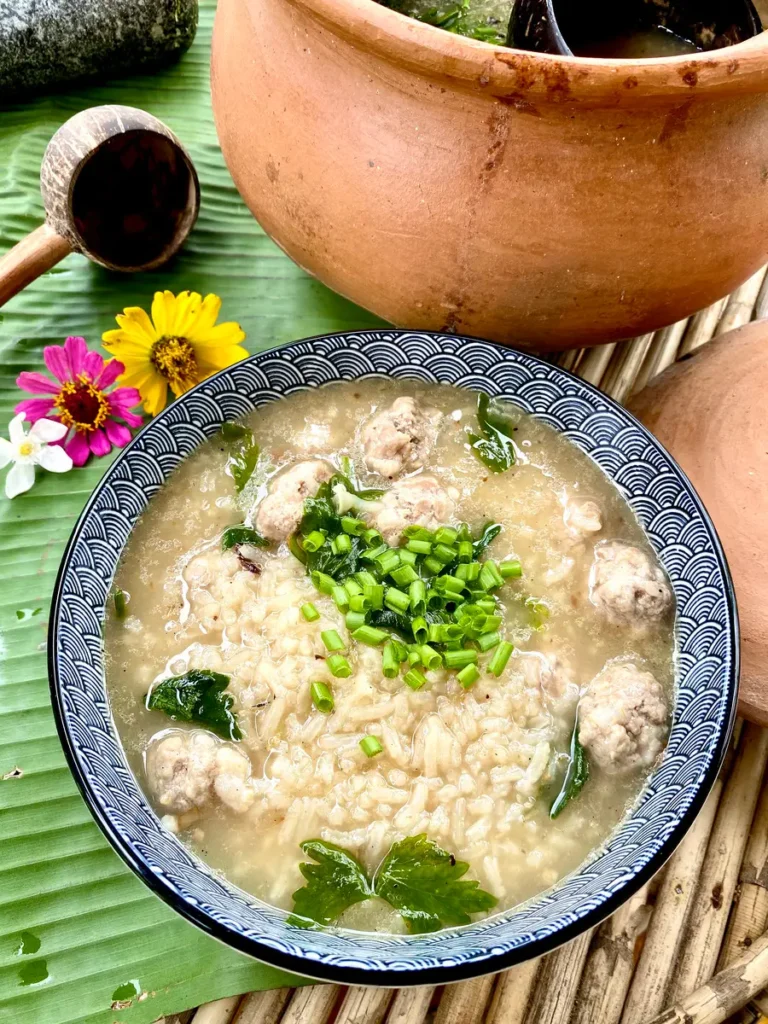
{"points": [[178, 347]]}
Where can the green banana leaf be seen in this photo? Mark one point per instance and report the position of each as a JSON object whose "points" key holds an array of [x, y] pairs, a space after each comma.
{"points": [[78, 932]]}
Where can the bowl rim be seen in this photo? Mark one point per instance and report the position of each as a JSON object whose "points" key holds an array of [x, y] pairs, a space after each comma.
{"points": [[498, 70], [494, 960]]}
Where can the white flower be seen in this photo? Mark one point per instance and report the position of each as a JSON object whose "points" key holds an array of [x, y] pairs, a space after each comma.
{"points": [[26, 451]]}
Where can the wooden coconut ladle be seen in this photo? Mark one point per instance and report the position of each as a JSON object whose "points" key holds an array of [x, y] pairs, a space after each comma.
{"points": [[118, 186]]}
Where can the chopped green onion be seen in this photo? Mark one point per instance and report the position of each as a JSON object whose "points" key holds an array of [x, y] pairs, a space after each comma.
{"points": [[370, 746], [467, 571], [491, 623], [501, 656], [443, 553], [434, 600], [322, 581], [458, 659], [415, 679], [404, 575], [338, 666], [449, 584], [430, 658], [353, 620], [468, 676], [433, 565], [454, 645], [322, 698], [373, 553], [374, 594], [340, 598], [341, 545], [414, 658], [464, 532], [352, 587], [417, 594], [419, 547], [120, 603], [401, 651], [490, 577], [488, 604], [332, 640], [388, 560], [488, 640], [407, 557], [313, 541], [466, 551], [373, 538], [310, 613], [390, 663], [354, 527], [446, 535], [397, 600], [510, 570], [359, 603], [435, 634], [365, 578], [420, 629], [417, 533], [370, 635]]}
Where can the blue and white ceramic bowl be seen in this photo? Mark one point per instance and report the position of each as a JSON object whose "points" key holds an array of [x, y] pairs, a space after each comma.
{"points": [[665, 503]]}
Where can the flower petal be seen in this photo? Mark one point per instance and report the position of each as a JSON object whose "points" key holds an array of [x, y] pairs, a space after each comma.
{"points": [[228, 333], [207, 314], [35, 408], [37, 383], [78, 450], [16, 431], [154, 395], [55, 359], [136, 323], [55, 459], [110, 373], [99, 443], [48, 430], [7, 452], [76, 350], [130, 417], [93, 364], [162, 311], [20, 478], [118, 434], [212, 360], [127, 397]]}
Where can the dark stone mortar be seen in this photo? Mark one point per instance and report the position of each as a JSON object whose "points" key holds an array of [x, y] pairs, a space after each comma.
{"points": [[48, 42]]}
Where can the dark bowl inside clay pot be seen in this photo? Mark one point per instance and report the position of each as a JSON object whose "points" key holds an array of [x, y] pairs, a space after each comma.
{"points": [[445, 183]]}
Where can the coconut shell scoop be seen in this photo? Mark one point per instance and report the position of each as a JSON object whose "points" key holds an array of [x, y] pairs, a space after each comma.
{"points": [[118, 186]]}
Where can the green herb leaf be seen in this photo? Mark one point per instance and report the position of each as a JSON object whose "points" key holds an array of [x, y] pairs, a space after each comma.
{"points": [[490, 531], [235, 535], [577, 774], [244, 453], [336, 882], [320, 513], [197, 696], [423, 882], [495, 447]]}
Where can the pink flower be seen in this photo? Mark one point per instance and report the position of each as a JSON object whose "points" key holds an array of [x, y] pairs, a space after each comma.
{"points": [[79, 399]]}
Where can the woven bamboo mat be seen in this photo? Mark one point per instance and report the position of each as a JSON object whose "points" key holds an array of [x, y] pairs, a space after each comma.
{"points": [[687, 948]]}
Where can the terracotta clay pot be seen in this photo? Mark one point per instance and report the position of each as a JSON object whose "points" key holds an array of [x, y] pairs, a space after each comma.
{"points": [[444, 183], [710, 413]]}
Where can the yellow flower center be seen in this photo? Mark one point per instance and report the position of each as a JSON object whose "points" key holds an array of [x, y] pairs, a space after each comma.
{"points": [[81, 405], [26, 448], [174, 359]]}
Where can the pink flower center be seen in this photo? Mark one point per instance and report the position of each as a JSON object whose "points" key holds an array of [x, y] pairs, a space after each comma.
{"points": [[81, 405]]}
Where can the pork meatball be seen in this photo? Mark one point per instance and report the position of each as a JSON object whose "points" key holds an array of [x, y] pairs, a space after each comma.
{"points": [[280, 512], [627, 587], [399, 438], [582, 518], [416, 501], [185, 770], [623, 718]]}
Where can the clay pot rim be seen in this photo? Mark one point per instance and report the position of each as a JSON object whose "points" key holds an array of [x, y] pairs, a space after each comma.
{"points": [[517, 76]]}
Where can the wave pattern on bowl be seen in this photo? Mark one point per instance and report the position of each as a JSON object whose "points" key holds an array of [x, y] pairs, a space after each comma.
{"points": [[664, 503]]}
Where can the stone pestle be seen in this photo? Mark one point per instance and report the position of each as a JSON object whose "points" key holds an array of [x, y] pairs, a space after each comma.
{"points": [[44, 43]]}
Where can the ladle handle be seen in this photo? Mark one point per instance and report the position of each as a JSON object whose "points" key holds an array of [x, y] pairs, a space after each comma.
{"points": [[31, 257]]}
